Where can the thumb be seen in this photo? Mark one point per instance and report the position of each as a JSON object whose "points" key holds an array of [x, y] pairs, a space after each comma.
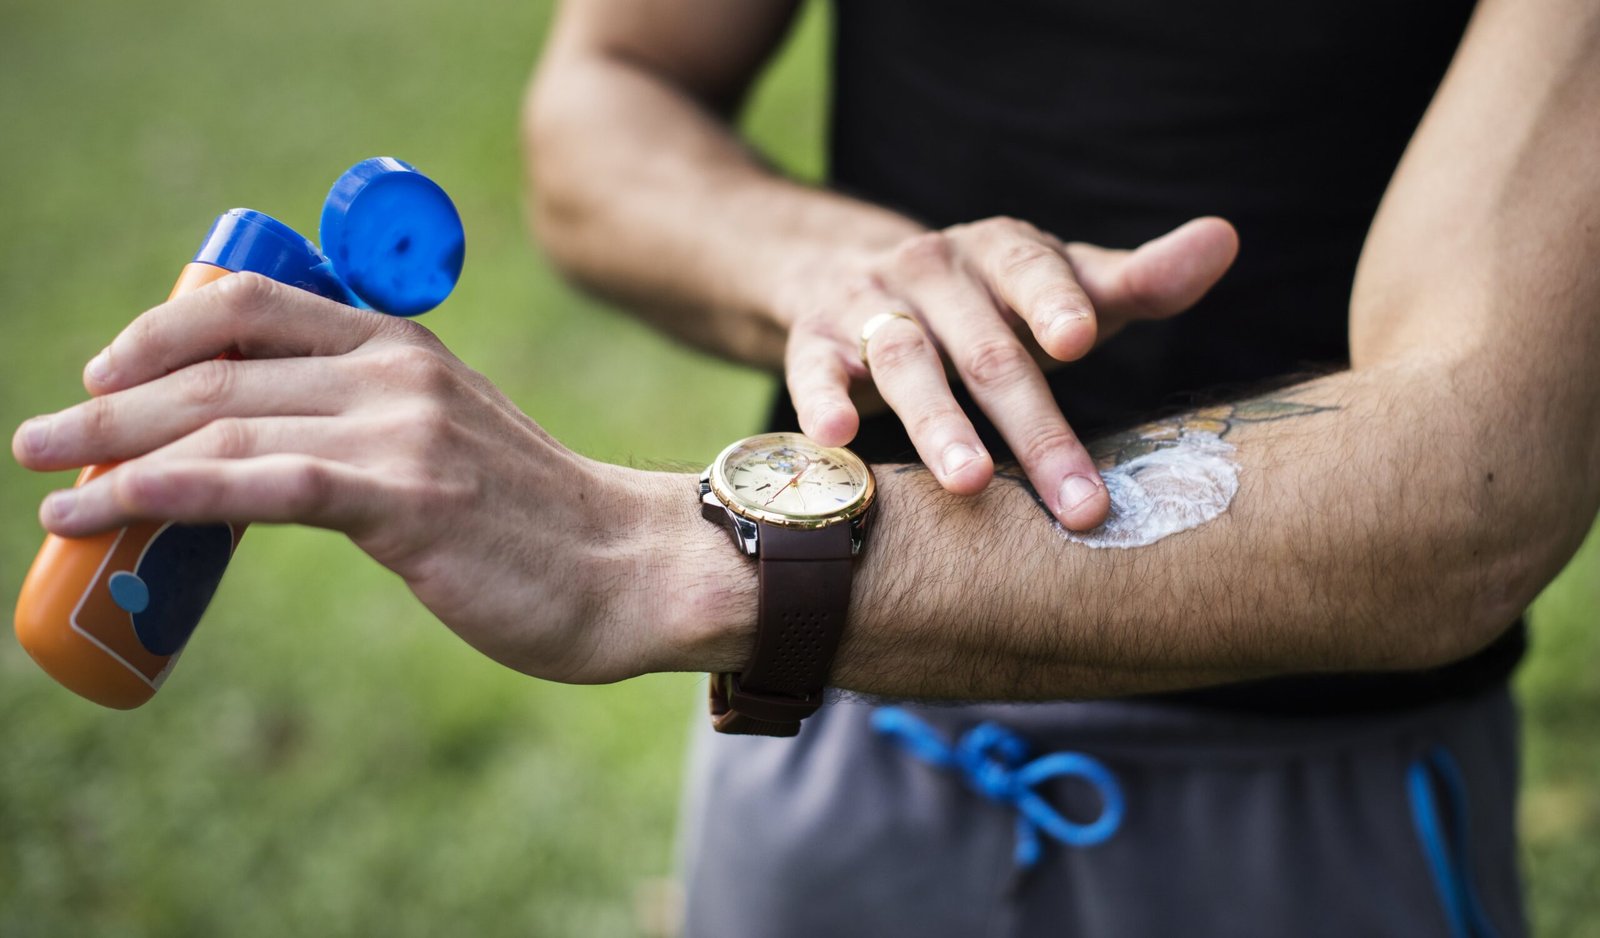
{"points": [[1161, 277]]}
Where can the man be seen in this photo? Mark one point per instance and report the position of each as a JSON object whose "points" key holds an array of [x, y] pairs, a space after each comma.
{"points": [[1113, 123], [1380, 525]]}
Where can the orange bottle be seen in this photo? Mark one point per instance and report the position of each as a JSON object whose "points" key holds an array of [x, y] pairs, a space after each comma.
{"points": [[107, 616], [85, 599]]}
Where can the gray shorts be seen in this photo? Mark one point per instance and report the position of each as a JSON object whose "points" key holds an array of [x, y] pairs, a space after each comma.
{"points": [[1233, 824]]}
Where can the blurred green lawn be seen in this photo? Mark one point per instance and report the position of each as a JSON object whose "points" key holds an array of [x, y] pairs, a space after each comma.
{"points": [[328, 760]]}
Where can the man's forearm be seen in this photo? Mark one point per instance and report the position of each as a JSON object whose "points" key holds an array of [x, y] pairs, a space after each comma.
{"points": [[698, 234], [1378, 523], [1402, 519]]}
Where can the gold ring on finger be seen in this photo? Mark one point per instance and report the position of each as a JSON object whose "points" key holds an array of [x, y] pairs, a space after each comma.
{"points": [[878, 322]]}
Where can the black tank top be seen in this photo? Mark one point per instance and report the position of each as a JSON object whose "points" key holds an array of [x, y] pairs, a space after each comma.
{"points": [[1113, 121]]}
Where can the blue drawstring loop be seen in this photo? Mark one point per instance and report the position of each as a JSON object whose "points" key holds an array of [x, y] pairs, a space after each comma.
{"points": [[1447, 855], [991, 759]]}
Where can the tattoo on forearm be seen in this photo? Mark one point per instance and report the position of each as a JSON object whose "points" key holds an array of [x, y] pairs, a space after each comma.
{"points": [[1127, 446], [1175, 474], [1169, 475]]}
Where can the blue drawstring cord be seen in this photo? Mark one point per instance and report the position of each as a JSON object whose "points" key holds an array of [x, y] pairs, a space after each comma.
{"points": [[1447, 855], [991, 759]]}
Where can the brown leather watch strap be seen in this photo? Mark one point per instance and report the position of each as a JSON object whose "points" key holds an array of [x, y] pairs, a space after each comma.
{"points": [[804, 595]]}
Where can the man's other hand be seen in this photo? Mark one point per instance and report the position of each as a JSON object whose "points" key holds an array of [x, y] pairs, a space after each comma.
{"points": [[366, 424], [993, 299]]}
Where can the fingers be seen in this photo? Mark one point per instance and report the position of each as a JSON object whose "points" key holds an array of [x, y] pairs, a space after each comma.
{"points": [[1027, 272], [908, 372], [282, 488], [129, 423], [1006, 382], [245, 313], [242, 438], [1072, 295], [1160, 278], [819, 385], [911, 378]]}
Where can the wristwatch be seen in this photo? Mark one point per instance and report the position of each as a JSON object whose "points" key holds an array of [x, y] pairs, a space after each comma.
{"points": [[800, 511]]}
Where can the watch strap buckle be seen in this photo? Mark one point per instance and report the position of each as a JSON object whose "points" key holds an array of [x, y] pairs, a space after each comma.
{"points": [[739, 711]]}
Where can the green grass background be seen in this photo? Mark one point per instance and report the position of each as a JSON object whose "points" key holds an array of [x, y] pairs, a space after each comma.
{"points": [[327, 760]]}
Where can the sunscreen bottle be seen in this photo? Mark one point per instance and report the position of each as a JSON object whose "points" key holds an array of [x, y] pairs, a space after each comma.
{"points": [[107, 616]]}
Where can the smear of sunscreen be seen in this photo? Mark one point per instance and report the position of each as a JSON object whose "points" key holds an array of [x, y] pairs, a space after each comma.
{"points": [[1183, 484]]}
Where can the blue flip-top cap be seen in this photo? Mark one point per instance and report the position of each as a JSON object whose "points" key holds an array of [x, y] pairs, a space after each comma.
{"points": [[393, 236], [243, 239], [392, 241]]}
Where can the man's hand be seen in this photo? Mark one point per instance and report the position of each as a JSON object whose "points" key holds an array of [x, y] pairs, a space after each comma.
{"points": [[990, 297], [366, 424], [706, 241]]}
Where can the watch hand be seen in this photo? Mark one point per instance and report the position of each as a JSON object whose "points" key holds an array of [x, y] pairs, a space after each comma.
{"points": [[787, 484]]}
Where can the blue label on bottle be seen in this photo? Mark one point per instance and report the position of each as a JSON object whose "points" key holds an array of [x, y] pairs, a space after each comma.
{"points": [[169, 590]]}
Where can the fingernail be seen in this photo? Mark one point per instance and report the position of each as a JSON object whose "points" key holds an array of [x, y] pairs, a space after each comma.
{"points": [[956, 457], [35, 435], [99, 367], [1070, 319], [1075, 490], [58, 506]]}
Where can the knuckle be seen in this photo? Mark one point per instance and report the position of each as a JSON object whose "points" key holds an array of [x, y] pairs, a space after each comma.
{"points": [[997, 362], [310, 486], [929, 252], [1038, 445], [142, 333], [229, 437], [207, 384], [431, 425], [99, 418], [413, 365], [246, 293], [410, 331], [817, 325], [866, 287], [1020, 258], [1139, 293], [997, 226], [131, 486], [1060, 297], [925, 422], [895, 349], [376, 364], [1023, 228]]}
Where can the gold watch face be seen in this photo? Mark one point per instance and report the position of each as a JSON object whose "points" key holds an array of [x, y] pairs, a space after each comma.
{"points": [[785, 478]]}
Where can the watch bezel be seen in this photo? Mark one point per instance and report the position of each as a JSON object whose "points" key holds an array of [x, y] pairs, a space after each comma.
{"points": [[716, 478]]}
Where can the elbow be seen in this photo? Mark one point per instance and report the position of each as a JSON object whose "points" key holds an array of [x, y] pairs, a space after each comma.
{"points": [[1470, 548], [559, 229], [1472, 607], [554, 203], [1484, 588], [555, 211]]}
